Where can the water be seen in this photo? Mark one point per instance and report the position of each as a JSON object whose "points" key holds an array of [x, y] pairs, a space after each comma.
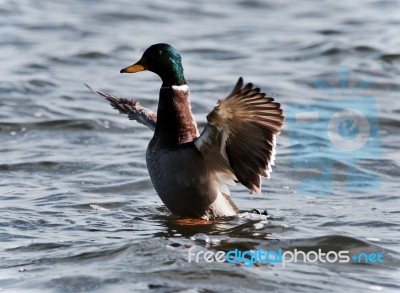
{"points": [[78, 211]]}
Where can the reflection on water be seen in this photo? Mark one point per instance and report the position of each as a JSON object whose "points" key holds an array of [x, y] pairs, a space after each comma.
{"points": [[79, 213]]}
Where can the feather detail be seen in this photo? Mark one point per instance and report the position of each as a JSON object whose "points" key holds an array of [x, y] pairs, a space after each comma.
{"points": [[242, 130], [129, 107]]}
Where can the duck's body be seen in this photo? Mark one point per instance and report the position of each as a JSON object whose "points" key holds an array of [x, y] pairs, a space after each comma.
{"points": [[190, 171], [180, 175]]}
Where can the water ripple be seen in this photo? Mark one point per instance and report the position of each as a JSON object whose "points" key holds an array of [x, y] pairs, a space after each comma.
{"points": [[79, 212]]}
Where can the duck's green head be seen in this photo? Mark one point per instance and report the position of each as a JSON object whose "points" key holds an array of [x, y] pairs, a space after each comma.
{"points": [[163, 60]]}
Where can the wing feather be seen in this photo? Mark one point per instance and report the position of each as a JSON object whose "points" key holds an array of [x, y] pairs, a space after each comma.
{"points": [[241, 132], [129, 107]]}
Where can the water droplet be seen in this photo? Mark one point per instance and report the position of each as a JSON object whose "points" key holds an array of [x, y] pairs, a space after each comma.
{"points": [[258, 225], [201, 237], [98, 208], [375, 288], [215, 241], [373, 239]]}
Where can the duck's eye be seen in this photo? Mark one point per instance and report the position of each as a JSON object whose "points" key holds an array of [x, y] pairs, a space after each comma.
{"points": [[160, 52]]}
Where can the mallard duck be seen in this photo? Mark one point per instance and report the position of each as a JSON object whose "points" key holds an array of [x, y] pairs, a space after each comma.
{"points": [[189, 170]]}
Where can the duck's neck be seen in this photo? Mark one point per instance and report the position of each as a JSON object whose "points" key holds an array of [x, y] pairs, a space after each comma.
{"points": [[173, 78], [175, 121]]}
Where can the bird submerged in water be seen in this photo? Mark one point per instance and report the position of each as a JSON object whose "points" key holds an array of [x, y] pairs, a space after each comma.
{"points": [[189, 170]]}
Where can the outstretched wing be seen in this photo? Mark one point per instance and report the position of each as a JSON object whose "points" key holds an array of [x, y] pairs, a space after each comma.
{"points": [[241, 131], [130, 108]]}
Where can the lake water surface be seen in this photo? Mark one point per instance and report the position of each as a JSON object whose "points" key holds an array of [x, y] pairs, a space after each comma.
{"points": [[78, 212]]}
